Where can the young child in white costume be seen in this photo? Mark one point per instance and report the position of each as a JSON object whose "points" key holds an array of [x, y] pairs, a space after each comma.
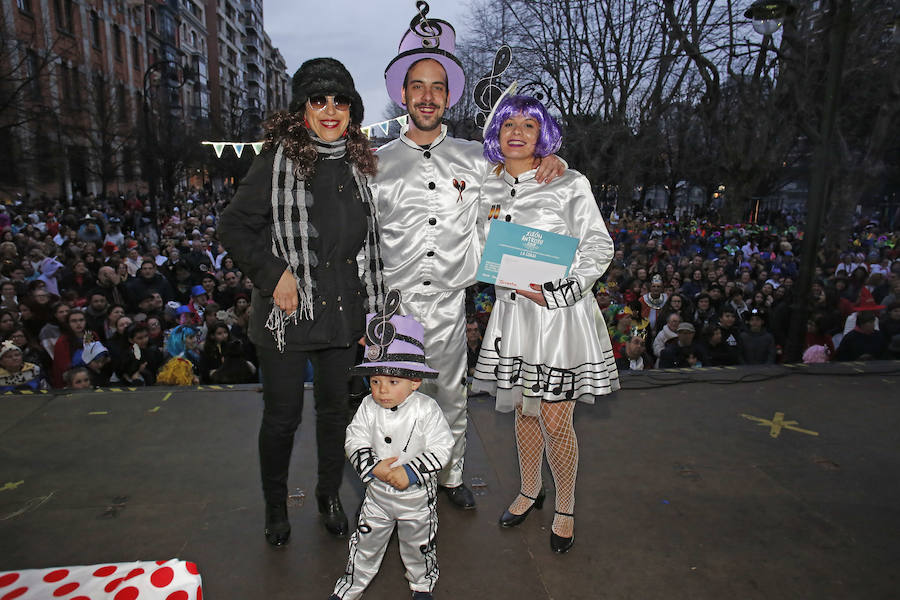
{"points": [[398, 441]]}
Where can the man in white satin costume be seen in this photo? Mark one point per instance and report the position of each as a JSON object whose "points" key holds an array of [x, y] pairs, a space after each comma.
{"points": [[426, 194]]}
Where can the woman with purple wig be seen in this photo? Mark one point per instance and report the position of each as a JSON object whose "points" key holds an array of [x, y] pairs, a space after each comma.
{"points": [[547, 346]]}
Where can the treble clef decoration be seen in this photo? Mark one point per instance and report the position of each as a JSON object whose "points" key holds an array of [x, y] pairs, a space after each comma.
{"points": [[489, 88], [429, 31], [380, 331]]}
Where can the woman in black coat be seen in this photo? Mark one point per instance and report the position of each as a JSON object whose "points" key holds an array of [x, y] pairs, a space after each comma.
{"points": [[297, 223]]}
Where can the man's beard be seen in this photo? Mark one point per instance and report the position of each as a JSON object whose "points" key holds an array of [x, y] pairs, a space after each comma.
{"points": [[422, 126]]}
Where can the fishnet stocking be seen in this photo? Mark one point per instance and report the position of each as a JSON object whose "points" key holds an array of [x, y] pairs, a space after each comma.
{"points": [[562, 454], [530, 444]]}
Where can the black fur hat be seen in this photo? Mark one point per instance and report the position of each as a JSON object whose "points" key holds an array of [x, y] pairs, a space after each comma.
{"points": [[325, 76]]}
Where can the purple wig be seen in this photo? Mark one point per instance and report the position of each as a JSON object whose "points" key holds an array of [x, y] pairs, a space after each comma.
{"points": [[549, 138]]}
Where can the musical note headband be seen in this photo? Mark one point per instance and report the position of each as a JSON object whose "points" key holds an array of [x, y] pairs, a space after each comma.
{"points": [[489, 90], [426, 38], [394, 344]]}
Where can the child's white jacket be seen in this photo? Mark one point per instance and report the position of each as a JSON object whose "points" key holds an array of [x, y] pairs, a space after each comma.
{"points": [[415, 431]]}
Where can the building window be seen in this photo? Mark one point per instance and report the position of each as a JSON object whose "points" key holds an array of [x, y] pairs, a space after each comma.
{"points": [[117, 42], [102, 98], [64, 15], [136, 52], [123, 103], [24, 6], [33, 65], [65, 82], [128, 163], [152, 24], [76, 87], [95, 29]]}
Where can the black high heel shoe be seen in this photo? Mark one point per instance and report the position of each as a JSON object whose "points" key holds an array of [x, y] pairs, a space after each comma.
{"points": [[560, 544], [510, 520], [278, 528]]}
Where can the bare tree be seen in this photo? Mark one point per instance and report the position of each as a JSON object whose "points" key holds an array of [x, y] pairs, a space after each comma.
{"points": [[103, 126], [25, 104], [608, 69]]}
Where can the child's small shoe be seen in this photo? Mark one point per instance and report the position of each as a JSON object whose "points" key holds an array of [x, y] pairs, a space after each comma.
{"points": [[423, 596]]}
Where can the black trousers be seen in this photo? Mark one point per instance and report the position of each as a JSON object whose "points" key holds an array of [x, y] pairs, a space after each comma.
{"points": [[282, 379]]}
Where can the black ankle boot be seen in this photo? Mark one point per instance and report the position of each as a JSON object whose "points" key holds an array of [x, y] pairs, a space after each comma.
{"points": [[278, 528], [333, 515]]}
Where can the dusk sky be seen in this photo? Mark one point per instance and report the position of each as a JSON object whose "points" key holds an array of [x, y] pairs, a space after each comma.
{"points": [[362, 34]]}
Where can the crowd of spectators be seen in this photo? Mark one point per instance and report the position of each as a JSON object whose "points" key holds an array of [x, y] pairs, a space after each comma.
{"points": [[94, 293], [692, 293]]}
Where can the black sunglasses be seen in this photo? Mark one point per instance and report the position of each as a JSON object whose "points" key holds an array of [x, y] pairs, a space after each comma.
{"points": [[319, 102]]}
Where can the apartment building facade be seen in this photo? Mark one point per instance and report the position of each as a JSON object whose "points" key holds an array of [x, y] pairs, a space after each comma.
{"points": [[90, 89]]}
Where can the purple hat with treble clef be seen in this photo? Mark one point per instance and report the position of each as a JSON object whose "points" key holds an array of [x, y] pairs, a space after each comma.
{"points": [[426, 38], [394, 344]]}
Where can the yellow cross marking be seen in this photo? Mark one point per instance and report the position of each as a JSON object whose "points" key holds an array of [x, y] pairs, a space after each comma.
{"points": [[99, 412], [777, 423], [167, 396], [154, 409], [11, 485]]}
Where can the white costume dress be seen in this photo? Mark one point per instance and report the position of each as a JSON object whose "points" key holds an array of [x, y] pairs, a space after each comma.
{"points": [[415, 431], [532, 353], [427, 203]]}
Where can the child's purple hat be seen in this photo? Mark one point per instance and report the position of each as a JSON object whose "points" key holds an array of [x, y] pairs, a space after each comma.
{"points": [[394, 344]]}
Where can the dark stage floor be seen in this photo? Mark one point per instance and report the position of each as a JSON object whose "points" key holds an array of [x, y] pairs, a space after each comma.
{"points": [[690, 486]]}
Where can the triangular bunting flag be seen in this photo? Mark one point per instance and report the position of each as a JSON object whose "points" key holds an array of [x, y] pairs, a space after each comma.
{"points": [[402, 120], [218, 147], [384, 126], [257, 146], [238, 149], [366, 131]]}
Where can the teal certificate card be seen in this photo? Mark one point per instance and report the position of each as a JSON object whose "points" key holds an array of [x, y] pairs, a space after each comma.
{"points": [[515, 256]]}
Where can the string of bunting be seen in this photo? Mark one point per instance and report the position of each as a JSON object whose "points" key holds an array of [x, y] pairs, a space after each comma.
{"points": [[383, 127]]}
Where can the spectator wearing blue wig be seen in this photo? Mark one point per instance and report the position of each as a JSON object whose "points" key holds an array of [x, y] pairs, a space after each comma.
{"points": [[547, 346], [182, 368]]}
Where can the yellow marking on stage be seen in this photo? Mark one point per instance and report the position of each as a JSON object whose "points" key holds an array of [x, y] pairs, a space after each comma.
{"points": [[29, 392], [153, 410], [132, 389], [116, 389], [99, 390], [11, 485], [215, 387], [99, 412], [167, 396], [777, 423]]}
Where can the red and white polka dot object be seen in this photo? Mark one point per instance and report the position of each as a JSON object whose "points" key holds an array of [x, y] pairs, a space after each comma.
{"points": [[161, 580]]}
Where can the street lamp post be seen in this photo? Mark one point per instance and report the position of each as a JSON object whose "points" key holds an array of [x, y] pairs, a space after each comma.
{"points": [[150, 133], [767, 14]]}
